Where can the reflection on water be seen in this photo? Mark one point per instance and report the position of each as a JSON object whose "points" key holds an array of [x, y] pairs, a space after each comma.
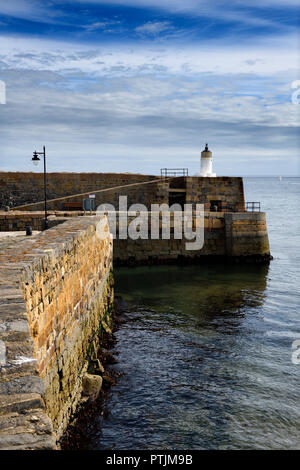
{"points": [[206, 290], [200, 370], [206, 351]]}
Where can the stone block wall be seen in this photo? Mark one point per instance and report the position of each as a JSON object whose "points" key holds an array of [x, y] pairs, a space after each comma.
{"points": [[134, 252], [56, 289], [22, 188], [241, 236], [15, 221], [228, 190], [247, 234], [23, 421], [226, 234]]}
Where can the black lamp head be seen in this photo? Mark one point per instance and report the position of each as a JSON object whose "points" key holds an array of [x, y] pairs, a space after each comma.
{"points": [[35, 158]]}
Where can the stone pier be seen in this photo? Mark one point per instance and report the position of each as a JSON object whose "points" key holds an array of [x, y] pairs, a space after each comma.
{"points": [[56, 289]]}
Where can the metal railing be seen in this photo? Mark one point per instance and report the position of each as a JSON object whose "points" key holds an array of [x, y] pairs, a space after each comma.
{"points": [[166, 172], [253, 206]]}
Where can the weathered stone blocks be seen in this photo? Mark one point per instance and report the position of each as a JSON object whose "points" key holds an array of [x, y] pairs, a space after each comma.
{"points": [[246, 234], [91, 385], [51, 306]]}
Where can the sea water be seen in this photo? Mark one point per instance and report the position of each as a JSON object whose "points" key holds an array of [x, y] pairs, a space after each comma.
{"points": [[207, 351]]}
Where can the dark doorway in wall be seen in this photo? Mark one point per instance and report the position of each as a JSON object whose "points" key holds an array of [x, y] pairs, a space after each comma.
{"points": [[215, 206], [177, 198], [73, 206]]}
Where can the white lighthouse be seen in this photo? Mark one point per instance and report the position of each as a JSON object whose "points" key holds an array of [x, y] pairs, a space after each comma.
{"points": [[206, 163]]}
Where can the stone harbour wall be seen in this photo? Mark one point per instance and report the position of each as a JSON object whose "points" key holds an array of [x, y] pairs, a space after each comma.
{"points": [[56, 292], [23, 188], [226, 234], [17, 188], [14, 221], [228, 190], [247, 234], [232, 236]]}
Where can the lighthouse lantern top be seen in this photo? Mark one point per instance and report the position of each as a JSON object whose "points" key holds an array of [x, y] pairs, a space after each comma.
{"points": [[206, 163]]}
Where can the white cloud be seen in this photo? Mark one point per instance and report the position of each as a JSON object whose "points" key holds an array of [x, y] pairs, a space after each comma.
{"points": [[153, 27], [130, 108], [277, 56], [237, 10], [33, 10], [135, 123], [103, 25], [192, 5], [217, 9], [18, 8]]}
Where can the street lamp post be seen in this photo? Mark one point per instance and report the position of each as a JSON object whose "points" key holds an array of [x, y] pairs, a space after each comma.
{"points": [[36, 160]]}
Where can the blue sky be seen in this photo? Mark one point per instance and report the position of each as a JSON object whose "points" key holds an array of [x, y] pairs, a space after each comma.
{"points": [[134, 85]]}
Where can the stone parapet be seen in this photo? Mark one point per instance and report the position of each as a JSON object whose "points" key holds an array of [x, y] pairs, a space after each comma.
{"points": [[55, 290]]}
